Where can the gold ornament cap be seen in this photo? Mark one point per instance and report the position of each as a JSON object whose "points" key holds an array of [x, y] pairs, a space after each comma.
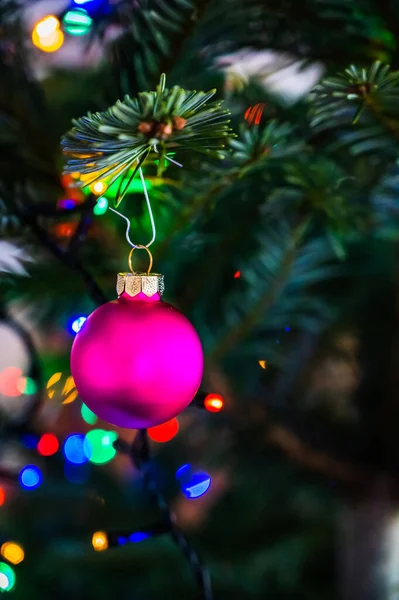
{"points": [[135, 283]]}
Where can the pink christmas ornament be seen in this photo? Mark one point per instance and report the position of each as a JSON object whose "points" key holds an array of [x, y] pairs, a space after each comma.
{"points": [[137, 361]]}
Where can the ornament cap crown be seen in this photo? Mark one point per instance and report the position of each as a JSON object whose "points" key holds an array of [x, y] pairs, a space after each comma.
{"points": [[133, 284]]}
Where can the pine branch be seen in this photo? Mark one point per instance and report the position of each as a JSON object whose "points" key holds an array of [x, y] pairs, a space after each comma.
{"points": [[264, 303]]}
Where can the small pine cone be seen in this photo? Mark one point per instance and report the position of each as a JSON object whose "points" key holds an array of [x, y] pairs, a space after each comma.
{"points": [[179, 123], [145, 127], [163, 131]]}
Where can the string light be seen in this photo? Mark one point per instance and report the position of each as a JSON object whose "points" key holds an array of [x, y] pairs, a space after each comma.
{"points": [[9, 380], [99, 541], [66, 204], [30, 477], [164, 432], [75, 450], [64, 387], [99, 446], [88, 415], [101, 206], [197, 486], [7, 577], [98, 188], [77, 324], [47, 35], [30, 440], [26, 385], [12, 552], [48, 445], [213, 403], [77, 22], [254, 113], [193, 484]]}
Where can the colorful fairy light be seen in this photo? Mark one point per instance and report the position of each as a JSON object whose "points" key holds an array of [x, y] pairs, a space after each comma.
{"points": [[214, 403], [253, 114], [7, 577], [193, 484], [99, 446], [164, 432], [101, 206], [77, 324], [47, 35], [98, 188], [62, 386], [99, 541], [48, 444], [30, 477], [9, 382], [12, 552], [75, 449], [197, 486], [88, 415], [26, 385], [77, 22]]}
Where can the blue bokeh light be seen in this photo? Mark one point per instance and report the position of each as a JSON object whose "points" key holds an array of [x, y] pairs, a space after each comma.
{"points": [[77, 324], [75, 449], [138, 536], [197, 486], [30, 440], [184, 473], [30, 477]]}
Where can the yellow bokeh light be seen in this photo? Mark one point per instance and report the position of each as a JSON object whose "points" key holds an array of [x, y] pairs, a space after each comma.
{"points": [[263, 364], [12, 552], [53, 379], [47, 26], [98, 188], [99, 541], [69, 391], [47, 34]]}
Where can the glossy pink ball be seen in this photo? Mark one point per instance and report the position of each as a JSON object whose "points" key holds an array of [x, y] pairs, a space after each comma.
{"points": [[137, 362]]}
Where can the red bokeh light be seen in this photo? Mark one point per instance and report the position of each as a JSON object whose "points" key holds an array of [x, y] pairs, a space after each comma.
{"points": [[214, 403], [9, 379], [164, 432], [2, 496], [48, 444], [254, 113], [237, 274]]}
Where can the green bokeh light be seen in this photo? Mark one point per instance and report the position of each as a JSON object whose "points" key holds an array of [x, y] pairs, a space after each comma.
{"points": [[30, 386], [99, 444], [7, 577], [77, 22], [101, 206], [88, 415]]}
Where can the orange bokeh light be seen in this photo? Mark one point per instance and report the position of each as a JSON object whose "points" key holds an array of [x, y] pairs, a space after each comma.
{"points": [[164, 432], [214, 403]]}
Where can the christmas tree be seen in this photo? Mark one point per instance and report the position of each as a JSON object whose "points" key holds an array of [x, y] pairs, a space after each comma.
{"points": [[251, 151]]}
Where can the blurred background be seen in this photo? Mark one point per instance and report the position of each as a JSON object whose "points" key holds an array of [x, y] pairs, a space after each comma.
{"points": [[284, 255]]}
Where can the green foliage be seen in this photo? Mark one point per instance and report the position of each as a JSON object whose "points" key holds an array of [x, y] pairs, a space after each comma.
{"points": [[360, 107], [108, 144]]}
